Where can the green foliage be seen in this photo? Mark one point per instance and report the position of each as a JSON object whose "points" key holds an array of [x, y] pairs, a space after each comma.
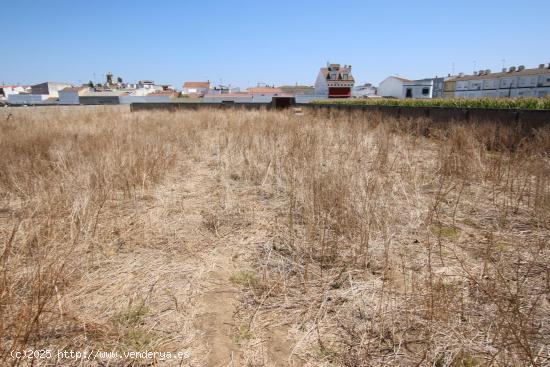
{"points": [[498, 103]]}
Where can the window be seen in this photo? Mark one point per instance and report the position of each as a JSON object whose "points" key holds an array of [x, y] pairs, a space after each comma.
{"points": [[345, 77], [425, 91]]}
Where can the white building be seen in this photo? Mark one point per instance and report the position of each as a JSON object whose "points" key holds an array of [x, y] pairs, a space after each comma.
{"points": [[6, 90], [28, 98], [364, 91], [392, 86], [196, 89], [148, 85], [420, 89], [334, 81], [71, 95], [512, 82], [49, 88]]}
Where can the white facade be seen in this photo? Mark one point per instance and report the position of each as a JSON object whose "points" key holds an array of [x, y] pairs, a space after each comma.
{"points": [[196, 88], [392, 86], [321, 86], [6, 90], [27, 98], [71, 95], [334, 81], [418, 89], [514, 82]]}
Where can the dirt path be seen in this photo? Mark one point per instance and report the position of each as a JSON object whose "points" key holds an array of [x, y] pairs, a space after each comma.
{"points": [[225, 331]]}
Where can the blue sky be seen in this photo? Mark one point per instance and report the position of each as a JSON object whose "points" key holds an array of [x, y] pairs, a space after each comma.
{"points": [[244, 42]]}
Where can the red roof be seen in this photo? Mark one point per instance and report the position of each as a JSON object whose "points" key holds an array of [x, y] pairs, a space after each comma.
{"points": [[196, 85]]}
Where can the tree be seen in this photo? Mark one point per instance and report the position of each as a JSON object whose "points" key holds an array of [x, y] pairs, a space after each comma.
{"points": [[90, 84], [119, 79]]}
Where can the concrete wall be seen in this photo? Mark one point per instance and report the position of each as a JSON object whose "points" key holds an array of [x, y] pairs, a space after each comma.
{"points": [[99, 100], [143, 99], [27, 98], [66, 97]]}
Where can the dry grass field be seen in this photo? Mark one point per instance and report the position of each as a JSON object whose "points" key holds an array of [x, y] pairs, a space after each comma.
{"points": [[264, 238]]}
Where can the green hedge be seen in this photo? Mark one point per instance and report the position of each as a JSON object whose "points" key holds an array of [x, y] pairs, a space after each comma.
{"points": [[500, 103]]}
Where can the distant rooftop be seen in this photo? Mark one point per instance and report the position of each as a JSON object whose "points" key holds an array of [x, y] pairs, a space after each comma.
{"points": [[196, 85], [510, 72]]}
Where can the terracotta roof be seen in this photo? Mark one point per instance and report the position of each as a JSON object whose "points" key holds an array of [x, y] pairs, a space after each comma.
{"points": [[523, 72], [338, 72], [196, 85], [264, 90]]}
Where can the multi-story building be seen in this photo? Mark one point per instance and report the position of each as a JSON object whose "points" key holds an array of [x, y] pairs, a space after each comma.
{"points": [[511, 82], [334, 81], [449, 87]]}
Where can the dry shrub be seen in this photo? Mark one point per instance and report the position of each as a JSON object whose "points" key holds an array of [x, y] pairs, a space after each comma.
{"points": [[379, 241], [390, 242]]}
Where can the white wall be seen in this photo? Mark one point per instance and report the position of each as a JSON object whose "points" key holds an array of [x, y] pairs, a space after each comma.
{"points": [[27, 98], [68, 97], [321, 85], [417, 91], [391, 87], [195, 90]]}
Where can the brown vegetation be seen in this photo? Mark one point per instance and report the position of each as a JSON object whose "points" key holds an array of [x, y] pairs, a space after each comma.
{"points": [[355, 240]]}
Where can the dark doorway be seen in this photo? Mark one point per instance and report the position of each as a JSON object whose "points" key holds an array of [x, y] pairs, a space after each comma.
{"points": [[409, 93]]}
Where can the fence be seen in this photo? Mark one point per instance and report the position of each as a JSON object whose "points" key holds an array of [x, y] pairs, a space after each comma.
{"points": [[529, 118]]}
